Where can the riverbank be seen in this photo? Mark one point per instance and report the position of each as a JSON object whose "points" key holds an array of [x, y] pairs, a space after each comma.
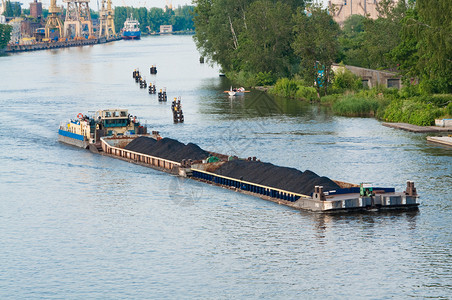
{"points": [[348, 98], [12, 48]]}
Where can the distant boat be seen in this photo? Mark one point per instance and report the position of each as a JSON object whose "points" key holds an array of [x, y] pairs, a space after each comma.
{"points": [[131, 30], [237, 91]]}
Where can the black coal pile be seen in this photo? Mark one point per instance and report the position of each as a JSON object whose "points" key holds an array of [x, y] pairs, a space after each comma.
{"points": [[167, 148], [283, 178]]}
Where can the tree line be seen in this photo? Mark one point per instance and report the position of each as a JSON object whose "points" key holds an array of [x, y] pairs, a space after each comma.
{"points": [[264, 40], [150, 20], [12, 9], [5, 35]]}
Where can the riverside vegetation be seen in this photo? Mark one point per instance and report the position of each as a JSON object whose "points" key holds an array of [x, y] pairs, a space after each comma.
{"points": [[348, 98], [257, 42], [5, 35]]}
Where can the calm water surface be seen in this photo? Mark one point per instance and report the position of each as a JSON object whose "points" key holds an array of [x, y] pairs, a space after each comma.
{"points": [[75, 225]]}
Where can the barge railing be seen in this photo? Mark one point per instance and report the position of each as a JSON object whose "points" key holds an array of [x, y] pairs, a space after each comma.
{"points": [[247, 186], [138, 157]]}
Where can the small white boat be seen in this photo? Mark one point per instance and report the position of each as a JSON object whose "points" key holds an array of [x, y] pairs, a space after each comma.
{"points": [[236, 91]]}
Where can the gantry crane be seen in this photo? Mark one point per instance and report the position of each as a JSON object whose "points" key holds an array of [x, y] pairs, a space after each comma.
{"points": [[53, 21], [106, 20], [78, 19], [85, 18], [72, 25]]}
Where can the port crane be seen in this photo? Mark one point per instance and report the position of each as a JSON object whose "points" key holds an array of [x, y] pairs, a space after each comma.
{"points": [[53, 21], [106, 20], [78, 19]]}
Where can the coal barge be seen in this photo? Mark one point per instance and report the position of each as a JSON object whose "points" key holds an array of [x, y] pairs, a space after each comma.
{"points": [[288, 186]]}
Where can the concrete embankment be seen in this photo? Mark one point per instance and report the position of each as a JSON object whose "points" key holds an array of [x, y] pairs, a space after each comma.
{"points": [[56, 45], [444, 140], [418, 129]]}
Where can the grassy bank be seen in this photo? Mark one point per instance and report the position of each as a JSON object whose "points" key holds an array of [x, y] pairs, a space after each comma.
{"points": [[392, 105], [348, 98]]}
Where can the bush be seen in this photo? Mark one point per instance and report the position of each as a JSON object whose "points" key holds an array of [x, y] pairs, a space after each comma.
{"points": [[354, 106], [265, 78], [409, 90], [330, 99], [242, 78], [345, 80], [285, 87], [413, 112], [306, 92], [438, 100], [449, 109]]}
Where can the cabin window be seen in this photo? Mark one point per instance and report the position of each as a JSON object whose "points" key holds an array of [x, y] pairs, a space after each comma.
{"points": [[123, 114], [107, 114]]}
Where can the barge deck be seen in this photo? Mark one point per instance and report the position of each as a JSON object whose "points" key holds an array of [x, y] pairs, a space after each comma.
{"points": [[347, 198]]}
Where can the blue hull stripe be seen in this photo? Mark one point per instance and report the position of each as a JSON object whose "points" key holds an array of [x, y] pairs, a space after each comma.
{"points": [[71, 135]]}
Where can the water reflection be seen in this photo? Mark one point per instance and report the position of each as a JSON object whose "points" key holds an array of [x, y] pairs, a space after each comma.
{"points": [[327, 221], [256, 104]]}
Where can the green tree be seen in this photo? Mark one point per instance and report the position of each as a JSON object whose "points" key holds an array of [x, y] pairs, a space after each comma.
{"points": [[351, 41], [17, 9], [5, 35], [427, 36], [142, 17], [405, 55], [8, 10], [368, 43], [218, 25], [120, 17], [155, 17], [265, 43], [316, 43], [183, 18], [233, 33]]}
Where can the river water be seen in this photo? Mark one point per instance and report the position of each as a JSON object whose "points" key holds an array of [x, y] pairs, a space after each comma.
{"points": [[77, 225]]}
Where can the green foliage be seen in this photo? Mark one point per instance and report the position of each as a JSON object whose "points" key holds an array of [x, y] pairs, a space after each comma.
{"points": [[294, 88], [285, 87], [243, 78], [437, 100], [247, 35], [265, 78], [5, 35], [406, 105], [306, 92], [409, 90], [264, 44], [425, 51], [316, 44], [355, 106], [345, 80], [180, 18], [330, 99], [12, 9], [413, 112], [368, 43], [449, 110]]}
